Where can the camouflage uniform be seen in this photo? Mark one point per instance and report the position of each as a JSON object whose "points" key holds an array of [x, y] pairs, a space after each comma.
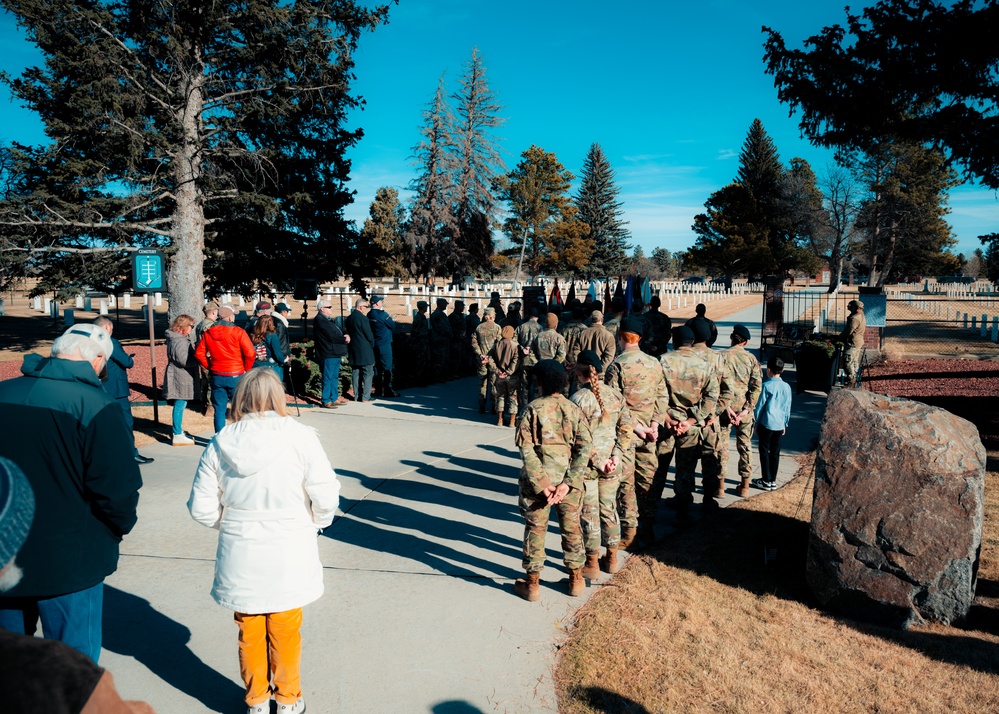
{"points": [[742, 384], [853, 337], [612, 436], [693, 393], [555, 444], [485, 336], [504, 359], [440, 343], [571, 332], [711, 434], [612, 326], [640, 379], [549, 344], [459, 342], [526, 332]]}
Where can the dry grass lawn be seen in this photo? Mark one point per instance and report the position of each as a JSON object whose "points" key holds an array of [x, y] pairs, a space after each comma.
{"points": [[703, 624]]}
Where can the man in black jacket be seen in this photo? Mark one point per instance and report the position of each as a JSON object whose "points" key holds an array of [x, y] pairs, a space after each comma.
{"points": [[361, 349], [331, 346], [69, 437]]}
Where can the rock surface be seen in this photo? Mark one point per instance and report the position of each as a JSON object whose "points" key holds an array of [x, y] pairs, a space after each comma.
{"points": [[897, 516]]}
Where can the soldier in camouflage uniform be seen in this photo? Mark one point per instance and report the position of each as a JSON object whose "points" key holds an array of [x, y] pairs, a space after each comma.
{"points": [[572, 331], [440, 340], [555, 444], [458, 356], [419, 341], [549, 344], [693, 393], [611, 425], [613, 324], [526, 333], [713, 478], [504, 370], [743, 383], [485, 336], [640, 379]]}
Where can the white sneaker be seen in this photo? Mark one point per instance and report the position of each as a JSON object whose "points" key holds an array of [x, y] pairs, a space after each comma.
{"points": [[262, 708], [182, 440], [296, 708]]}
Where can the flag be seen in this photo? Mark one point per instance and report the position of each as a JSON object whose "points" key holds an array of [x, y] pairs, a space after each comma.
{"points": [[572, 292], [629, 293], [593, 291], [607, 295], [647, 290], [555, 299], [619, 290]]}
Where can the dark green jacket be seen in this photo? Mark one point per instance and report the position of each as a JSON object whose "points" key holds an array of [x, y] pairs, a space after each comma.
{"points": [[70, 439]]}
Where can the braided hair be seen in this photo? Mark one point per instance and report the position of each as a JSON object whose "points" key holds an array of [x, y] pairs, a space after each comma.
{"points": [[589, 372]]}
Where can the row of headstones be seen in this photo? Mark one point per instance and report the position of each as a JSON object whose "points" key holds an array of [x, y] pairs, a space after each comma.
{"points": [[963, 290], [971, 322]]}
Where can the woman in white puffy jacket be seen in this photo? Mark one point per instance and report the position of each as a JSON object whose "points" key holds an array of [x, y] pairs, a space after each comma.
{"points": [[267, 485]]}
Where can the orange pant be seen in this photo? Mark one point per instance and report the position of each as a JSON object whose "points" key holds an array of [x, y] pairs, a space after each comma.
{"points": [[271, 646]]}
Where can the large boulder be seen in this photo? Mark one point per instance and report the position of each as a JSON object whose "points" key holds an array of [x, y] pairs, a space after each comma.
{"points": [[897, 517]]}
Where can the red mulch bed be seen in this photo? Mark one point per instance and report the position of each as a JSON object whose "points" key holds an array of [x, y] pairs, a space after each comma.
{"points": [[968, 388]]}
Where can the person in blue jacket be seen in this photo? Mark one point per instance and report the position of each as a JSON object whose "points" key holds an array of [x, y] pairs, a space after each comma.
{"points": [[773, 411], [382, 328], [116, 383]]}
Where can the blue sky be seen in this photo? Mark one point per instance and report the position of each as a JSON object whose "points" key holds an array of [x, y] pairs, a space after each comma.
{"points": [[668, 89]]}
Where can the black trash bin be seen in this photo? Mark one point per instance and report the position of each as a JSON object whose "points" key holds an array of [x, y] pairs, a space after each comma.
{"points": [[816, 368]]}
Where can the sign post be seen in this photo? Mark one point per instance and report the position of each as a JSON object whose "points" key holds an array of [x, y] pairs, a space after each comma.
{"points": [[149, 276]]}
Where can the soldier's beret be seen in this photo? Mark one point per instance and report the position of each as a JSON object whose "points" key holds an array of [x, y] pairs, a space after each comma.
{"points": [[633, 325], [701, 330], [741, 331], [591, 359], [548, 365], [683, 334]]}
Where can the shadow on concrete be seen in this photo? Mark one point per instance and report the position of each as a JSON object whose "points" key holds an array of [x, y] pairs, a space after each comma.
{"points": [[134, 628], [455, 707], [765, 553]]}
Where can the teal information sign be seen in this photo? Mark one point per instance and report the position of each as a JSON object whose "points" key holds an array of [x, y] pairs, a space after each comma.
{"points": [[148, 271]]}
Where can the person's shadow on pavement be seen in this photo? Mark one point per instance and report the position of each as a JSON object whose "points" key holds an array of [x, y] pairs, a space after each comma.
{"points": [[134, 628]]}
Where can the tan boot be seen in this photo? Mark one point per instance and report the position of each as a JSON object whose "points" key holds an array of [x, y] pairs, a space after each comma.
{"points": [[743, 489], [609, 561], [591, 570], [577, 586], [527, 587], [513, 420], [499, 420], [720, 490], [627, 536]]}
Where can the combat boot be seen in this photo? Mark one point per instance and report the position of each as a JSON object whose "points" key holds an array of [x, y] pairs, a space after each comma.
{"points": [[609, 561], [577, 586], [499, 420], [513, 419], [527, 587], [743, 489], [591, 570], [720, 490], [482, 406], [627, 536]]}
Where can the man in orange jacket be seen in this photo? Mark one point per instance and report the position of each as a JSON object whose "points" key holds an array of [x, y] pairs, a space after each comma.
{"points": [[226, 351]]}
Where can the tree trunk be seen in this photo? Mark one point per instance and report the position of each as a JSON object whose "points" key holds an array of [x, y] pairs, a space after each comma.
{"points": [[835, 268], [187, 275]]}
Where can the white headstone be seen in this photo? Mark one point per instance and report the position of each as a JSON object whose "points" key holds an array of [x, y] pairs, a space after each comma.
{"points": [[36, 303], [104, 307], [79, 302], [67, 317], [159, 299], [47, 306], [127, 299], [87, 304]]}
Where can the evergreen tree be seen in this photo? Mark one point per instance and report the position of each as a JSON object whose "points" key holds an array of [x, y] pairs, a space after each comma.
{"points": [[166, 119], [478, 163], [762, 175], [541, 217], [433, 227], [599, 208], [991, 266], [729, 242], [383, 235]]}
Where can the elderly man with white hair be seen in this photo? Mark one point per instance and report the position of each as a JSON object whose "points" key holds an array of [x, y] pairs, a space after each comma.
{"points": [[69, 438], [331, 347]]}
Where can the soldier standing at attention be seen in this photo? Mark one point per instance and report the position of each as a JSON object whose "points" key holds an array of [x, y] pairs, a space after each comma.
{"points": [[611, 426], [711, 441], [742, 372], [640, 379], [459, 340], [699, 317], [549, 344], [554, 442], [853, 337], [420, 344], [692, 397], [572, 331], [525, 338], [504, 368], [485, 336], [440, 340], [613, 323], [657, 342]]}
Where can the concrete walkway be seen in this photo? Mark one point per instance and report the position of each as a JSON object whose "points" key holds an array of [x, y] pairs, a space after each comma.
{"points": [[419, 613]]}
